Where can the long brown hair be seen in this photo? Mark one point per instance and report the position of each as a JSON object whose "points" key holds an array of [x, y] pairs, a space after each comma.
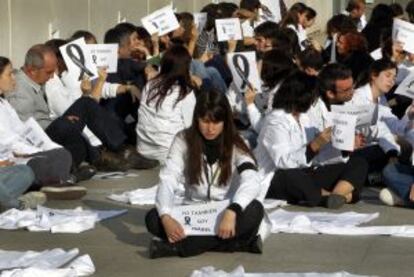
{"points": [[175, 70], [215, 106]]}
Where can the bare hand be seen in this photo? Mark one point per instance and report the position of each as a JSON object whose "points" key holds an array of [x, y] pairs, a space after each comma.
{"points": [[86, 85], [135, 93], [102, 73], [196, 81], [412, 193], [227, 228], [359, 141], [249, 95], [322, 139], [173, 229], [398, 54]]}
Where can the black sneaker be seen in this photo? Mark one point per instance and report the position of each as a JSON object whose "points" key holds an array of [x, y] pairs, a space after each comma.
{"points": [[256, 245], [110, 161], [335, 201], [83, 173], [159, 248], [137, 161]]}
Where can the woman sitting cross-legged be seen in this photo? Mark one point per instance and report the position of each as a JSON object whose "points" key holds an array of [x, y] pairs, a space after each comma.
{"points": [[213, 163], [287, 146]]}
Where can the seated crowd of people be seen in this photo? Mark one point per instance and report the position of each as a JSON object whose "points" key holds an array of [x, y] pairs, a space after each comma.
{"points": [[173, 102]]}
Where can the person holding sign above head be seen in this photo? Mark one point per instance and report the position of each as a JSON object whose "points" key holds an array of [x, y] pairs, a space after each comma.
{"points": [[213, 163], [287, 148]]}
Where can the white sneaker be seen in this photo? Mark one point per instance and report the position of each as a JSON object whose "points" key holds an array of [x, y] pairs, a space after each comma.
{"points": [[390, 198]]}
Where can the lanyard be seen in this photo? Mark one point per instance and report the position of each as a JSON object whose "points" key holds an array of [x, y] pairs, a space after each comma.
{"points": [[210, 178]]}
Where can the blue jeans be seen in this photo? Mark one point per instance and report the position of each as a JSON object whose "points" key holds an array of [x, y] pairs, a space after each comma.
{"points": [[14, 181], [399, 178]]}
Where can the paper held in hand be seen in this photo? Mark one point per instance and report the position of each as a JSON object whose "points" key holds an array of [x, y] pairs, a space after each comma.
{"points": [[403, 32], [228, 29], [243, 67], [200, 219], [200, 20], [78, 59], [367, 115], [35, 136], [343, 131], [406, 87], [105, 55], [161, 21]]}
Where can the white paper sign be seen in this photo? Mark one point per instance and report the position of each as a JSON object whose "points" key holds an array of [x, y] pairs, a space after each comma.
{"points": [[78, 60], [161, 21], [202, 219], [403, 32], [34, 135], [271, 10], [105, 55], [406, 87], [248, 31], [343, 131], [366, 114], [228, 29], [200, 20], [243, 67]]}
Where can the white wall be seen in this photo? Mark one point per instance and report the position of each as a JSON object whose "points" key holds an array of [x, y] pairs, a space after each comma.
{"points": [[24, 23]]}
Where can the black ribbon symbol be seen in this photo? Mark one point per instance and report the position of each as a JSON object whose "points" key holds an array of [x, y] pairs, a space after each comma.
{"points": [[244, 70], [94, 58], [187, 220], [78, 60]]}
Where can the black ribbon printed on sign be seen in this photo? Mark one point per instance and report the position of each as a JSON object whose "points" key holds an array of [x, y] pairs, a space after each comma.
{"points": [[78, 59], [242, 70]]}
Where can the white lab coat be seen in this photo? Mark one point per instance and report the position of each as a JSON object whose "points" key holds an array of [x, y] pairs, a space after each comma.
{"points": [[11, 128], [282, 144], [156, 128], [388, 124], [241, 189]]}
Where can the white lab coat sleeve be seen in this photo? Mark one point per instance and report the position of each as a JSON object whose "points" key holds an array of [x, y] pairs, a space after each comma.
{"points": [[249, 187], [171, 175], [286, 152], [187, 109], [255, 117], [386, 139], [109, 90]]}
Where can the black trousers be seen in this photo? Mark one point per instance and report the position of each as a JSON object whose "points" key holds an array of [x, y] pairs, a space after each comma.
{"points": [[247, 225], [375, 157], [51, 167], [68, 133], [303, 185]]}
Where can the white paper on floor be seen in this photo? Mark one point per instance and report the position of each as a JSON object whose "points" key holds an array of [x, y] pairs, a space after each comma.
{"points": [[210, 271], [55, 220], [47, 263], [333, 223], [144, 196], [113, 175]]}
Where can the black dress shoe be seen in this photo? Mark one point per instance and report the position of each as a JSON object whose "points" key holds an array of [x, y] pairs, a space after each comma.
{"points": [[335, 201], [159, 248], [83, 173], [136, 161], [256, 245]]}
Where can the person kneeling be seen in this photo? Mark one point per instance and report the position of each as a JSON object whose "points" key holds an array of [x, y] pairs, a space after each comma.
{"points": [[213, 163]]}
